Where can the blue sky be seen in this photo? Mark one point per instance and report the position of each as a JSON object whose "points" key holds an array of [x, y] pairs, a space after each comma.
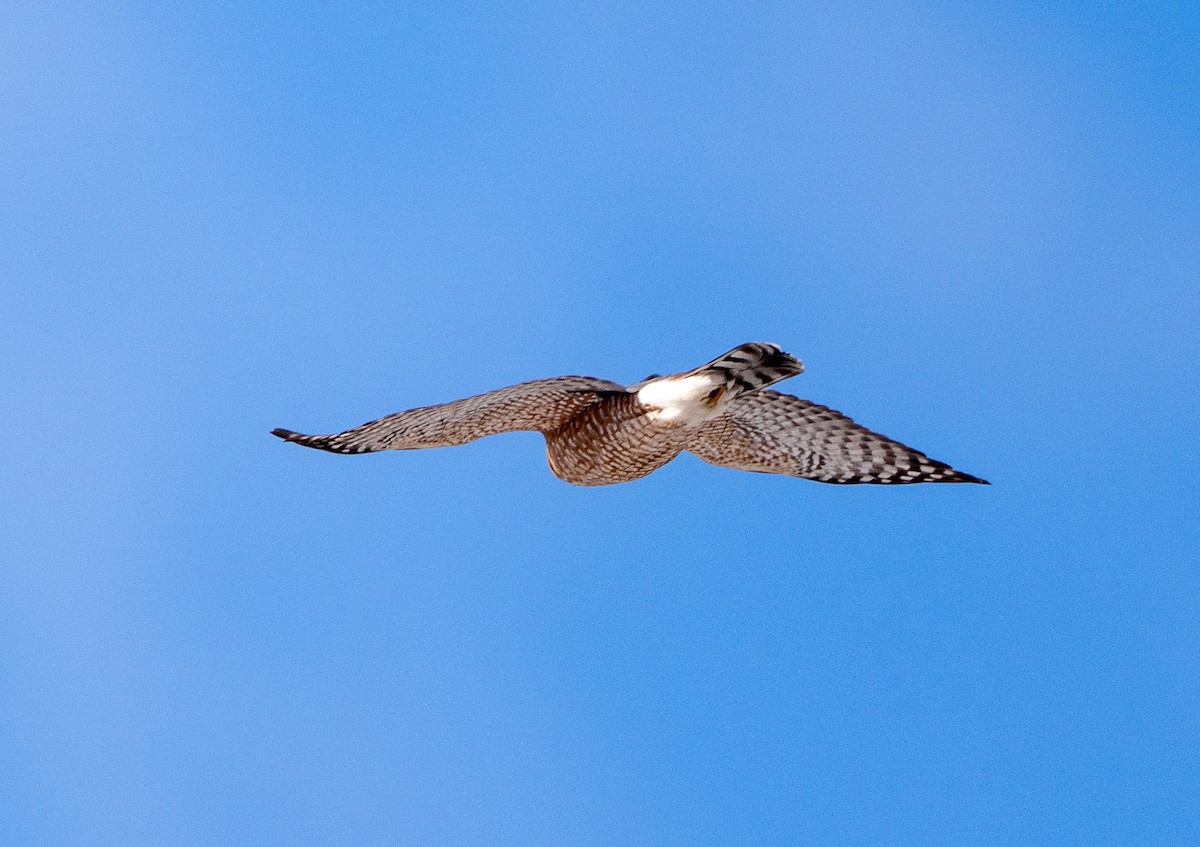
{"points": [[978, 225]]}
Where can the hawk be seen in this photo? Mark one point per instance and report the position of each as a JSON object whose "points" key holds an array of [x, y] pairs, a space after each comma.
{"points": [[599, 432]]}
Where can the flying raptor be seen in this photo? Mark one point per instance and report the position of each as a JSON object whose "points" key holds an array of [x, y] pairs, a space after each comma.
{"points": [[599, 432]]}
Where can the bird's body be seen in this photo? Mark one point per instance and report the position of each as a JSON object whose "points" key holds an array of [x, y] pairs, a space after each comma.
{"points": [[599, 432]]}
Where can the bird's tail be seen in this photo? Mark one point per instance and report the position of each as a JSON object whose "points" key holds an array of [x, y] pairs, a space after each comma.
{"points": [[753, 365]]}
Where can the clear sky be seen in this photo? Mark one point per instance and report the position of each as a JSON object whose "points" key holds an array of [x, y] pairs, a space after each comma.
{"points": [[979, 226]]}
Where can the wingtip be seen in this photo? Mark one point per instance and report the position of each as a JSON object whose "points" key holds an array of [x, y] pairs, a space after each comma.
{"points": [[285, 434]]}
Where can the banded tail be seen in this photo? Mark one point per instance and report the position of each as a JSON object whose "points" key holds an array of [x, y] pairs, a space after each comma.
{"points": [[751, 366]]}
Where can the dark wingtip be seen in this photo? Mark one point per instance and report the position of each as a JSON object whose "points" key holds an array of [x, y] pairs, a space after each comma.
{"points": [[966, 477], [317, 442]]}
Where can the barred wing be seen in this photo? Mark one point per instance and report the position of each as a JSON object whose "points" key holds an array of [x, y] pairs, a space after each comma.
{"points": [[542, 405], [769, 432]]}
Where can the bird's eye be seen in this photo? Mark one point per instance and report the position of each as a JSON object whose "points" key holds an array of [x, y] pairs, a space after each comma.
{"points": [[716, 392]]}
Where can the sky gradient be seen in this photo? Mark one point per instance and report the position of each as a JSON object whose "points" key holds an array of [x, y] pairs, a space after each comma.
{"points": [[979, 227]]}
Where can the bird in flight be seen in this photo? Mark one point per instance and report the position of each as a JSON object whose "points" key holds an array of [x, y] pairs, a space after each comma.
{"points": [[599, 432]]}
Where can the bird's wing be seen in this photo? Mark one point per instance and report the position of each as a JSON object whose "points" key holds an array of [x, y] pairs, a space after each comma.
{"points": [[777, 433], [542, 405]]}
